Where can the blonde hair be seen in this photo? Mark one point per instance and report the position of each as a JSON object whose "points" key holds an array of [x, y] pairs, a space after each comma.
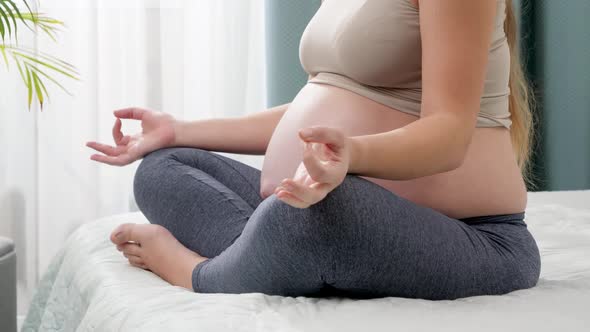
{"points": [[521, 101]]}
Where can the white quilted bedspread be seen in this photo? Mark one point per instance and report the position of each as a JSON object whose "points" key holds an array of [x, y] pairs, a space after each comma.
{"points": [[89, 286]]}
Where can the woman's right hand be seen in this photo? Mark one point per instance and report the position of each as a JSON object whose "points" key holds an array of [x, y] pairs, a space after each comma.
{"points": [[158, 131]]}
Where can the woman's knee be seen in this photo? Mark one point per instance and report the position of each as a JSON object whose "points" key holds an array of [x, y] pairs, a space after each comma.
{"points": [[276, 221], [151, 172], [338, 217], [146, 175], [154, 162]]}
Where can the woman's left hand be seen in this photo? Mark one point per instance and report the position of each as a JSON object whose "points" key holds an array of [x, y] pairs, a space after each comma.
{"points": [[326, 159]]}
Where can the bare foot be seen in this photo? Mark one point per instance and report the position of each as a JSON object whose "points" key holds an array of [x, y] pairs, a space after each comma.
{"points": [[154, 248]]}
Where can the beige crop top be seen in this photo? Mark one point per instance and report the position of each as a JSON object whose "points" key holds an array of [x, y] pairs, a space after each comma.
{"points": [[373, 48]]}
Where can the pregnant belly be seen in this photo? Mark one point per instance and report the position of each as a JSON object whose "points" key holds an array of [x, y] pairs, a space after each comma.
{"points": [[489, 181]]}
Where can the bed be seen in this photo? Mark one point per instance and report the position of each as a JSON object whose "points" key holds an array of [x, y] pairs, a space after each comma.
{"points": [[89, 286]]}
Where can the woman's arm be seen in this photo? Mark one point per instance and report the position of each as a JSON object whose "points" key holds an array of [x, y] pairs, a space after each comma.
{"points": [[248, 134], [456, 36]]}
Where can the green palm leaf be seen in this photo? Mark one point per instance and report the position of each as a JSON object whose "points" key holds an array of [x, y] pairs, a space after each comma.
{"points": [[42, 73], [31, 73], [48, 64], [6, 24], [37, 88], [29, 61], [29, 87], [4, 56], [9, 12]]}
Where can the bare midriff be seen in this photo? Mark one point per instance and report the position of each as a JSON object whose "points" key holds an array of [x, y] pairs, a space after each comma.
{"points": [[488, 182]]}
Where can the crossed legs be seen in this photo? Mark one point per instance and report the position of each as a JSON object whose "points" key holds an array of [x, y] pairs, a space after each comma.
{"points": [[211, 232]]}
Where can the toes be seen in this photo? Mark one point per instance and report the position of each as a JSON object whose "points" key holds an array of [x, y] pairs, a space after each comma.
{"points": [[138, 233], [130, 248], [123, 233], [135, 260]]}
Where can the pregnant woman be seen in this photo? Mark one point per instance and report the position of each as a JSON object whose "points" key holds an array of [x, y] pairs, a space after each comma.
{"points": [[398, 169]]}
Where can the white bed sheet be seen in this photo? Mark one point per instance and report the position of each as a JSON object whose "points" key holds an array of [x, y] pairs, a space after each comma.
{"points": [[90, 287]]}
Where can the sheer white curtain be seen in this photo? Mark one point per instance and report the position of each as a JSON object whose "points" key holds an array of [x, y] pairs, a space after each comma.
{"points": [[191, 58]]}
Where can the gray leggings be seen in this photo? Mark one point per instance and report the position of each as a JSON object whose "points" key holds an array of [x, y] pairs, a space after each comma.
{"points": [[361, 241]]}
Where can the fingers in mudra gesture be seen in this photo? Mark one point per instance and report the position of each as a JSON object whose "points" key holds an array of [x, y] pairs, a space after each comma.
{"points": [[157, 132], [326, 159]]}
